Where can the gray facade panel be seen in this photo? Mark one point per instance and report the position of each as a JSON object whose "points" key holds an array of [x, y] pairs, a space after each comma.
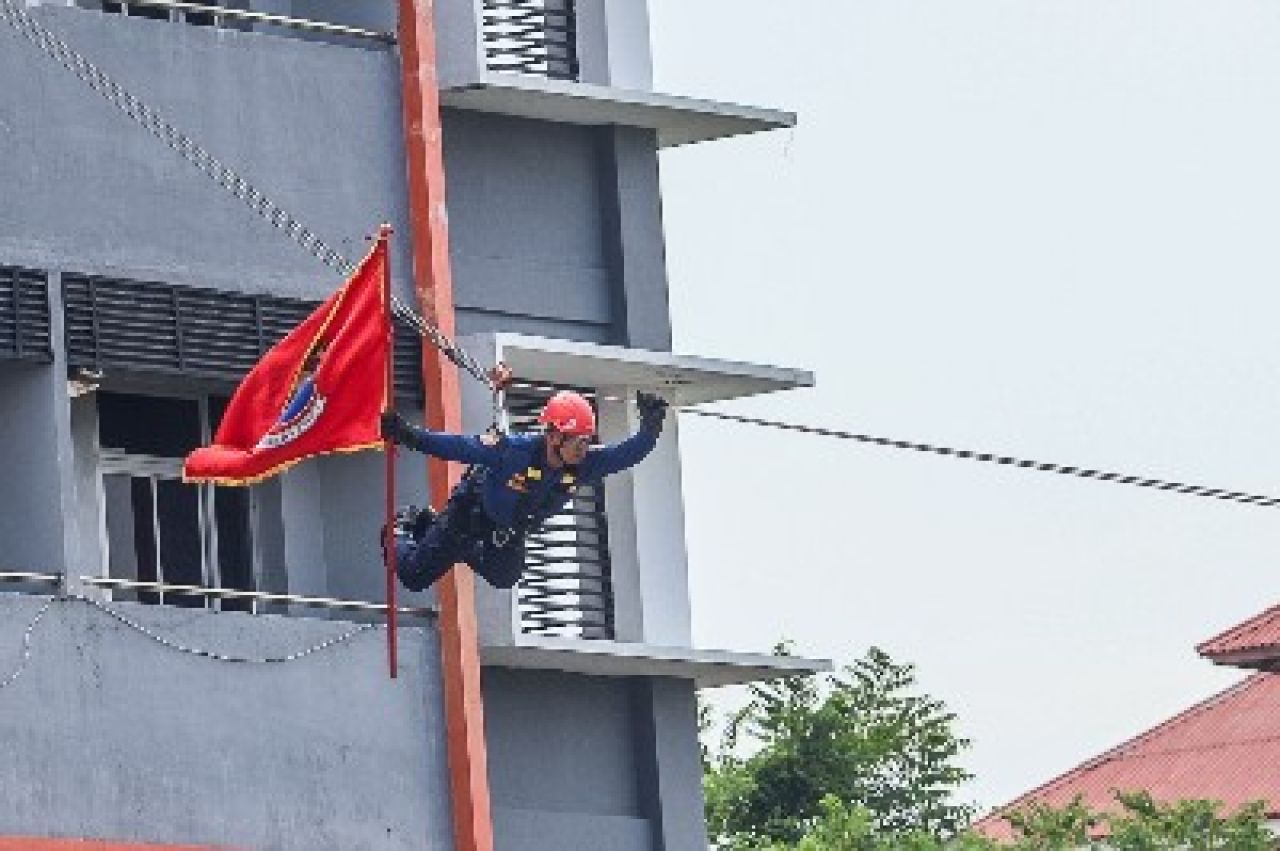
{"points": [[317, 127], [31, 520], [560, 743], [479, 321], [110, 735], [526, 232], [637, 252], [573, 756], [532, 830], [668, 716], [518, 286], [377, 15]]}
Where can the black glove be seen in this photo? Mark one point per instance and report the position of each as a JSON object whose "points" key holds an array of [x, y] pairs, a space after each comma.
{"points": [[653, 410], [394, 428]]}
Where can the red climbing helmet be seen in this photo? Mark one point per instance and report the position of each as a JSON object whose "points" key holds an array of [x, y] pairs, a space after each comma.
{"points": [[569, 413]]}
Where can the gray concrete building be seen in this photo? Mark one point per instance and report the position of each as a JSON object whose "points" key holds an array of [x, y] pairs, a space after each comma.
{"points": [[200, 666]]}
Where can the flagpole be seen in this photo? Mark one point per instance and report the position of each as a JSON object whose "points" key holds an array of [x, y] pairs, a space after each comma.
{"points": [[384, 236]]}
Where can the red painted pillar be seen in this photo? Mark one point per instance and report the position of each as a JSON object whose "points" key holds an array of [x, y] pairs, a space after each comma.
{"points": [[428, 225]]}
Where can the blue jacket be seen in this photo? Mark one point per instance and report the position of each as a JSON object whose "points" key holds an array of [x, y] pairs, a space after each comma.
{"points": [[520, 488]]}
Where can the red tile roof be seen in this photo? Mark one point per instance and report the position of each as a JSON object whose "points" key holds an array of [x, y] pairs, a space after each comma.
{"points": [[1226, 749], [1252, 644]]}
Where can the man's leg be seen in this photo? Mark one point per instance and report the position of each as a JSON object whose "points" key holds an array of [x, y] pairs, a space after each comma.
{"points": [[422, 560], [501, 567]]}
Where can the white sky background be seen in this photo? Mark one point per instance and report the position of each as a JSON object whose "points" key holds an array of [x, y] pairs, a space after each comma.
{"points": [[1048, 229]]}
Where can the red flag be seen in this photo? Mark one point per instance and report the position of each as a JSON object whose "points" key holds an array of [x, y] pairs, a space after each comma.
{"points": [[319, 390]]}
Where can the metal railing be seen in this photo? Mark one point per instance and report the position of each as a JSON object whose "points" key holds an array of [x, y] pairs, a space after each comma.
{"points": [[229, 17], [537, 37], [567, 588], [21, 576], [254, 598]]}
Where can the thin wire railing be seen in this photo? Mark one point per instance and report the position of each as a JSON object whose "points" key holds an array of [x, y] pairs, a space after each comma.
{"points": [[254, 597], [23, 576], [218, 16]]}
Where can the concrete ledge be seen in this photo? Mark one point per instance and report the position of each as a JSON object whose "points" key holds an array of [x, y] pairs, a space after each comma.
{"points": [[681, 379], [707, 668], [677, 120]]}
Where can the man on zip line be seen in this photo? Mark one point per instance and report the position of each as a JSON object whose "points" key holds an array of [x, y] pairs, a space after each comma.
{"points": [[514, 484]]}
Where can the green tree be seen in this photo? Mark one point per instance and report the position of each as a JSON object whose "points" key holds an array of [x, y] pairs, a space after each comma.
{"points": [[864, 739], [860, 761], [1140, 823]]}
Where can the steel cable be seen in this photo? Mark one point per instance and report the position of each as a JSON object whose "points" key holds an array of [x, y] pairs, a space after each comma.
{"points": [[1005, 460], [965, 454], [169, 643]]}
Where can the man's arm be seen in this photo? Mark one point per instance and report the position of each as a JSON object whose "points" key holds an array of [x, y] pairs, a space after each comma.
{"points": [[607, 460], [468, 449]]}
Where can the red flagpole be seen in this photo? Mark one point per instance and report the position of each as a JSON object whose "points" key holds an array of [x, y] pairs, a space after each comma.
{"points": [[384, 235]]}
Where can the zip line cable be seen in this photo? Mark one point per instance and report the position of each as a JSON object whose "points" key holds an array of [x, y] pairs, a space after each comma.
{"points": [[228, 178], [966, 454]]}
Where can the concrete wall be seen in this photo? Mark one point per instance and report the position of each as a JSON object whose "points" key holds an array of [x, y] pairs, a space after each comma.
{"points": [[527, 240], [556, 230], [613, 44], [32, 514], [592, 762], [316, 126], [110, 735], [562, 761]]}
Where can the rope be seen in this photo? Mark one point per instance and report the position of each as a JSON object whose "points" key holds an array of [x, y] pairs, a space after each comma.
{"points": [[965, 454], [223, 657], [169, 643], [219, 172], [26, 647], [1006, 460]]}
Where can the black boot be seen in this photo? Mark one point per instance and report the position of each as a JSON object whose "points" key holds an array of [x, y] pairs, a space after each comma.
{"points": [[407, 525], [422, 522]]}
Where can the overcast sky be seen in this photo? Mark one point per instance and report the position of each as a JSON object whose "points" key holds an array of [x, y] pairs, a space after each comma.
{"points": [[1049, 229]]}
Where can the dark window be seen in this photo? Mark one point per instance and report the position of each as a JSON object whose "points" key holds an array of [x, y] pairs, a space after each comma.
{"points": [[158, 528], [178, 528], [235, 551], [148, 425]]}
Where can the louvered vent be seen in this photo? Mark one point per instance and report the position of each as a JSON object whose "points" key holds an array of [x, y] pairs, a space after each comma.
{"points": [[567, 589], [24, 315], [531, 37], [149, 327]]}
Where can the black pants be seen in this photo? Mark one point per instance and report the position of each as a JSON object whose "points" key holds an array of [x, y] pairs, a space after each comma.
{"points": [[460, 534]]}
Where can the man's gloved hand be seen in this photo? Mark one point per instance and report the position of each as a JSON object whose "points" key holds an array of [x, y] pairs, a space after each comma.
{"points": [[653, 410], [501, 375], [394, 428]]}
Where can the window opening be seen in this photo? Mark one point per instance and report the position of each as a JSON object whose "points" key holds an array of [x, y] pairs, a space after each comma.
{"points": [[155, 527]]}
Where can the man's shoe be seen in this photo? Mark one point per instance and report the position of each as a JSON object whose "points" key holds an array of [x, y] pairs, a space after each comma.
{"points": [[402, 527], [422, 522]]}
